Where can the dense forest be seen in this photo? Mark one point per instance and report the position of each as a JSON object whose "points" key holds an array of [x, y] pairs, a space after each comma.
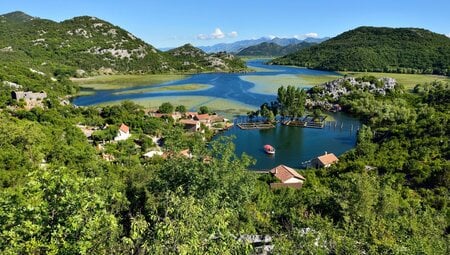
{"points": [[88, 45], [380, 49], [59, 195]]}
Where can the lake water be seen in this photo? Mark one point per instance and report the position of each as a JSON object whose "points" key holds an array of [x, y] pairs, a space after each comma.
{"points": [[223, 85], [293, 145]]}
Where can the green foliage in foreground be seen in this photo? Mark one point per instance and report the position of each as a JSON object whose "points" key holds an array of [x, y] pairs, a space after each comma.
{"points": [[378, 49], [387, 196]]}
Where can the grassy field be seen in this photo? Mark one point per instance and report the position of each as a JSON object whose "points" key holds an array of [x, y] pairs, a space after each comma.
{"points": [[85, 93], [182, 87], [247, 58], [105, 82], [270, 84], [407, 80], [224, 106], [313, 80]]}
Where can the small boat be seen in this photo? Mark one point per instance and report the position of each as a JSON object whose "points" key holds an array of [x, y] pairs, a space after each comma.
{"points": [[269, 149]]}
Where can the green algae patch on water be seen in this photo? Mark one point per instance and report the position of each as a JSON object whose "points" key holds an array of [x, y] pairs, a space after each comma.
{"points": [[121, 81], [168, 88], [215, 104], [269, 84]]}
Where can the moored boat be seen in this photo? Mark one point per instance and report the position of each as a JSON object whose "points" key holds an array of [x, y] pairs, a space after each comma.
{"points": [[269, 149]]}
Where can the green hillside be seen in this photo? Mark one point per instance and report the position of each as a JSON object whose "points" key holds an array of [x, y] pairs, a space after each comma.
{"points": [[190, 58], [85, 46], [273, 49], [380, 49]]}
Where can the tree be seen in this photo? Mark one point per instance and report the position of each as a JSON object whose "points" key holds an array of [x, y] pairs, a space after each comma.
{"points": [[267, 114], [180, 108], [291, 101], [166, 108], [58, 212], [203, 109]]}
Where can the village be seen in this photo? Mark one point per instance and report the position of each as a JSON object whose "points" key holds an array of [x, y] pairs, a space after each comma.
{"points": [[192, 123]]}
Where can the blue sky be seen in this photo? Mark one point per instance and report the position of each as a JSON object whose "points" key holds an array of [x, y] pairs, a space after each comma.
{"points": [[168, 23]]}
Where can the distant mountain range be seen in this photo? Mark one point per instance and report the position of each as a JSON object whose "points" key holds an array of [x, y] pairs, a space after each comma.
{"points": [[380, 49], [88, 45], [271, 49], [235, 47]]}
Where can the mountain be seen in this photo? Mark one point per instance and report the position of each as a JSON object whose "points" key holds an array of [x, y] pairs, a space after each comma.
{"points": [[233, 47], [85, 45], [190, 58], [240, 45], [16, 16], [316, 40], [273, 49], [409, 50]]}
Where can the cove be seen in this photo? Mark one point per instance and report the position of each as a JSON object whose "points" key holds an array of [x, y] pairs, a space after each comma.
{"points": [[294, 145]]}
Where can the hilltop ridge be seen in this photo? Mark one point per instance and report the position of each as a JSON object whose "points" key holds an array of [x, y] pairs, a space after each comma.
{"points": [[380, 49], [87, 46]]}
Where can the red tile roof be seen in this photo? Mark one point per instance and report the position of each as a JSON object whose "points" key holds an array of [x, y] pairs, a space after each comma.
{"points": [[202, 116], [327, 159], [124, 128], [188, 122], [285, 173], [190, 114]]}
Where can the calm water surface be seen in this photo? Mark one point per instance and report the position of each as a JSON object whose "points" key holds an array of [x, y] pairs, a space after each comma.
{"points": [[293, 145], [224, 85]]}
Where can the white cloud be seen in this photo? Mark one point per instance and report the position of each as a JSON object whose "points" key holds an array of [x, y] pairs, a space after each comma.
{"points": [[311, 35], [217, 34], [308, 35], [202, 37], [271, 37], [448, 35], [233, 34]]}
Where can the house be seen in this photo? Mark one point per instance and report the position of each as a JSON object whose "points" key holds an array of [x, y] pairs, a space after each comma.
{"points": [[190, 115], [123, 133], [191, 125], [288, 177], [205, 119], [31, 99], [28, 95], [325, 160]]}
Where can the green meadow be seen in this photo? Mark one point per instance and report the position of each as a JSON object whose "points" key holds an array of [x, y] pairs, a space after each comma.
{"points": [[183, 87], [228, 107], [270, 84], [106, 82]]}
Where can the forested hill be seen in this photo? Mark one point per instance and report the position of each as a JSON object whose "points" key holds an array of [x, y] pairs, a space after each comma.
{"points": [[87, 44], [409, 50], [273, 49]]}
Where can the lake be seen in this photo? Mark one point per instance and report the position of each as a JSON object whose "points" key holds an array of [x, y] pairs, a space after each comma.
{"points": [[237, 87], [293, 145]]}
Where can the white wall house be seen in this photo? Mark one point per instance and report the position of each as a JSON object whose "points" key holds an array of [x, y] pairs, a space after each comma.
{"points": [[123, 134]]}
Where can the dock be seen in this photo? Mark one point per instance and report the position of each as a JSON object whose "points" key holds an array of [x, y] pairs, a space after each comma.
{"points": [[307, 122]]}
